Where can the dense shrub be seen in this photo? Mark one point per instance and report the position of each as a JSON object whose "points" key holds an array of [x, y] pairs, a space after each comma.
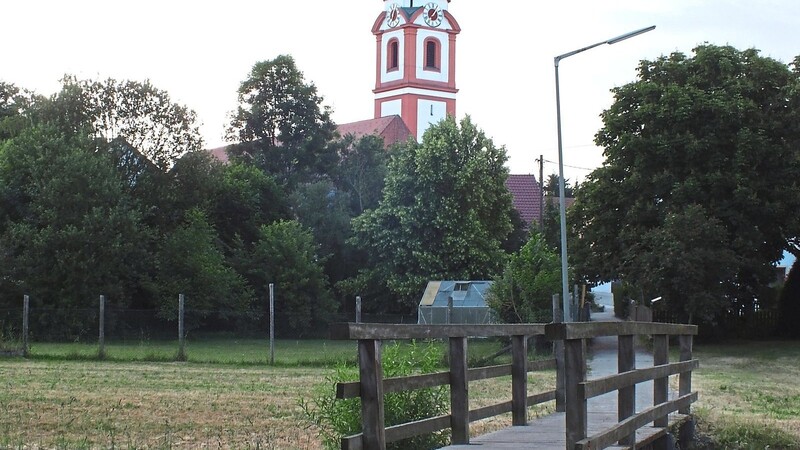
{"points": [[336, 418]]}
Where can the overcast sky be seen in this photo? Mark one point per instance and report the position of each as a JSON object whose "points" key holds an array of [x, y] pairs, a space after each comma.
{"points": [[200, 51]]}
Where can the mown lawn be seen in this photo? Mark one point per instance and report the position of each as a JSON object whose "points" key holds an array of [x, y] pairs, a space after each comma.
{"points": [[750, 394], [226, 396], [133, 399]]}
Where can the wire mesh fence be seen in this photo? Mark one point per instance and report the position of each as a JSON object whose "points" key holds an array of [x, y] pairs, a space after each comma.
{"points": [[151, 328]]}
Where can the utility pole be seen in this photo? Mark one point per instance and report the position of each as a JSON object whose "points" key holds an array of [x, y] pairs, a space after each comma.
{"points": [[541, 194]]}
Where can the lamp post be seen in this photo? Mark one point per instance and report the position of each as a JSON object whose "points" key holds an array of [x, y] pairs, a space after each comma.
{"points": [[561, 197]]}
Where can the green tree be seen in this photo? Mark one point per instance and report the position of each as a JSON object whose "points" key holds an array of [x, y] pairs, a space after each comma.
{"points": [[281, 125], [191, 262], [362, 171], [325, 211], [444, 214], [525, 291], [247, 200], [708, 141], [68, 232], [789, 304], [551, 216], [287, 256], [14, 106], [137, 113]]}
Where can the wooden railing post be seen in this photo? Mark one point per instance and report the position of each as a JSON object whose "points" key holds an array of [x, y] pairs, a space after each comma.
{"points": [[574, 374], [371, 379], [519, 380], [558, 352], [685, 379], [459, 391], [660, 385], [626, 397]]}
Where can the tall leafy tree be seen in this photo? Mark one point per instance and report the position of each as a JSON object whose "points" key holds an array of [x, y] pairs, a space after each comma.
{"points": [[287, 256], [14, 107], [362, 171], [325, 211], [248, 199], [192, 263], [136, 113], [789, 304], [68, 232], [444, 213], [700, 181], [281, 125], [524, 293]]}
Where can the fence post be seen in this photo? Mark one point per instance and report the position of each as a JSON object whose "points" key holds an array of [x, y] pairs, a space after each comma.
{"points": [[181, 334], [626, 397], [459, 391], [449, 313], [685, 379], [575, 374], [272, 324], [661, 387], [519, 380], [371, 384], [101, 353], [25, 311], [358, 309], [558, 351]]}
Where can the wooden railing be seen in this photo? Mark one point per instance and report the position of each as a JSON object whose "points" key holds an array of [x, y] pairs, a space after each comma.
{"points": [[372, 386], [579, 390], [571, 395]]}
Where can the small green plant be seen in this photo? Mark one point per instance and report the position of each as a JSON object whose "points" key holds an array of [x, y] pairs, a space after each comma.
{"points": [[335, 418]]}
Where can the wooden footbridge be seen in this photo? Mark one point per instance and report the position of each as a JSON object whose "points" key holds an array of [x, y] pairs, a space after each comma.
{"points": [[602, 412]]}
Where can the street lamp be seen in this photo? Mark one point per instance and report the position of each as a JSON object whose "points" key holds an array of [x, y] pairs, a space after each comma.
{"points": [[561, 199]]}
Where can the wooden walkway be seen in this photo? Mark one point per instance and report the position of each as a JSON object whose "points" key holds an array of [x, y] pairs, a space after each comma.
{"points": [[589, 385], [549, 432]]}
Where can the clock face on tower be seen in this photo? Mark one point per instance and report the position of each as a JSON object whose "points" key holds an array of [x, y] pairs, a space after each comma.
{"points": [[432, 14], [393, 18]]}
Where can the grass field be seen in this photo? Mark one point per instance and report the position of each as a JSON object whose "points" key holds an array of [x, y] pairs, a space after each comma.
{"points": [[750, 394], [307, 353], [60, 398], [226, 397]]}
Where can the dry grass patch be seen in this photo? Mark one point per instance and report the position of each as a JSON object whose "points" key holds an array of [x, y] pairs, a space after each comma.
{"points": [[170, 405]]}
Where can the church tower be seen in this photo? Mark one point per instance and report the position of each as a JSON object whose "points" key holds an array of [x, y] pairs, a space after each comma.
{"points": [[416, 64]]}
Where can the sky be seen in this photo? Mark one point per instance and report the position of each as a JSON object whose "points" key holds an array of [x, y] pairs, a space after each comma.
{"points": [[199, 52]]}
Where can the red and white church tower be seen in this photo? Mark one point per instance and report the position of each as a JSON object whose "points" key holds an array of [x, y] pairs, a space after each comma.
{"points": [[416, 62]]}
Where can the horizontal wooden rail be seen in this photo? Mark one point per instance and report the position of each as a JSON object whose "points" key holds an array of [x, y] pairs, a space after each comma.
{"points": [[633, 423], [505, 407], [587, 330], [352, 389], [356, 331], [433, 424], [399, 432], [600, 386]]}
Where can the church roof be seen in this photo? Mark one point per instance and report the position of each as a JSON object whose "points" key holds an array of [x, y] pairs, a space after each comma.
{"points": [[391, 128], [527, 197], [220, 153]]}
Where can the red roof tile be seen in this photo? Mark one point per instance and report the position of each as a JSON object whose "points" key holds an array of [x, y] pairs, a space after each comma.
{"points": [[526, 196], [391, 128], [220, 153]]}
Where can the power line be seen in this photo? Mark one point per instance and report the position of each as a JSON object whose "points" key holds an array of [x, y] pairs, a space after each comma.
{"points": [[571, 167]]}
